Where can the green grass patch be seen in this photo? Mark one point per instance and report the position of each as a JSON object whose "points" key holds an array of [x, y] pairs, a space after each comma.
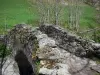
{"points": [[13, 12]]}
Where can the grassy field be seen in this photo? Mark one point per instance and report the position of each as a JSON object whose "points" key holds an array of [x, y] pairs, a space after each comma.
{"points": [[18, 11], [87, 18], [15, 11]]}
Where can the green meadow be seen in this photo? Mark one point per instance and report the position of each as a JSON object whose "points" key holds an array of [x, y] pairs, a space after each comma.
{"points": [[13, 12]]}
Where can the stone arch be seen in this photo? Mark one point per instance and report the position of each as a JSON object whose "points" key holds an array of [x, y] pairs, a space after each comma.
{"points": [[25, 68]]}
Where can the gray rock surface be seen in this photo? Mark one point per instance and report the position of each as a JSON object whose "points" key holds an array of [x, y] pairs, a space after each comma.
{"points": [[22, 41], [10, 67], [96, 68], [69, 42], [59, 52]]}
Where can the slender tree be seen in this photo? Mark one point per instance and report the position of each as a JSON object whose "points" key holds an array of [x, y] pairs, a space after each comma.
{"points": [[75, 12], [48, 10]]}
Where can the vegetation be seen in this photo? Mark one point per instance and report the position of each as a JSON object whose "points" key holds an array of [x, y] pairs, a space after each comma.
{"points": [[3, 53], [15, 11], [20, 11], [2, 47]]}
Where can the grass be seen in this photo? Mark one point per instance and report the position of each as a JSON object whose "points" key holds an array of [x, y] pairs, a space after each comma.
{"points": [[13, 12], [88, 17]]}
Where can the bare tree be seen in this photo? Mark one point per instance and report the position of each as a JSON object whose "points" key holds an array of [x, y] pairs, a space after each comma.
{"points": [[75, 12], [57, 10], [48, 10]]}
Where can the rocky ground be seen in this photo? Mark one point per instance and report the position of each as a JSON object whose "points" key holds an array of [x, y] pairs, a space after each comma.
{"points": [[57, 51]]}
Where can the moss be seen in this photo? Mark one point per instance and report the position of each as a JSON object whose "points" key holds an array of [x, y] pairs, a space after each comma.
{"points": [[36, 48], [97, 74], [97, 60], [34, 56], [38, 67]]}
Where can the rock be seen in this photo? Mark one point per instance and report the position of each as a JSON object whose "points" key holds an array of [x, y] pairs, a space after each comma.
{"points": [[61, 71], [96, 44], [96, 47], [2, 39], [22, 41], [96, 68], [68, 41], [10, 67], [58, 51], [44, 40]]}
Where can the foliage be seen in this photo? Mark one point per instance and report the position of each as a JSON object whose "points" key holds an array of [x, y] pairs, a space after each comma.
{"points": [[19, 11], [95, 33], [2, 48], [38, 66]]}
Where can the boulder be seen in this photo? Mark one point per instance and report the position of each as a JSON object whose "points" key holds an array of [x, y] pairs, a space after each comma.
{"points": [[10, 67], [50, 50]]}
